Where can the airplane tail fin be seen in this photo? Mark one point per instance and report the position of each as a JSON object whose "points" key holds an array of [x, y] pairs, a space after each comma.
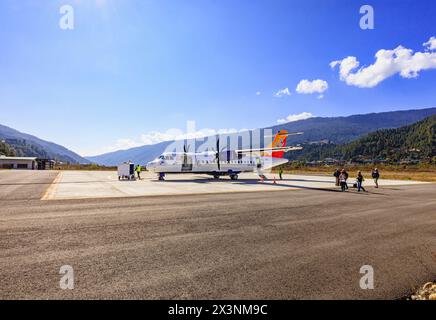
{"points": [[278, 142]]}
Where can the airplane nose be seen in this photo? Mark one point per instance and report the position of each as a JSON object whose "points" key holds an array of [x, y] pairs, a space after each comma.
{"points": [[151, 165]]}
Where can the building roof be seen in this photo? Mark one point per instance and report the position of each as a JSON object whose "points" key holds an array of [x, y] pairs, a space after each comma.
{"points": [[17, 158]]}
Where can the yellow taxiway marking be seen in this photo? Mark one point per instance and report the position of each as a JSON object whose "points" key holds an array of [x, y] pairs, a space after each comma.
{"points": [[49, 193]]}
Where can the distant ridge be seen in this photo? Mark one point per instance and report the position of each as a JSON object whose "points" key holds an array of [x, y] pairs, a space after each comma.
{"points": [[27, 145], [334, 129], [141, 154], [412, 142], [345, 129], [417, 141]]}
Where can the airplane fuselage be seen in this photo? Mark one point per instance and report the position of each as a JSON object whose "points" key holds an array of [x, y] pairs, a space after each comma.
{"points": [[230, 162], [207, 163]]}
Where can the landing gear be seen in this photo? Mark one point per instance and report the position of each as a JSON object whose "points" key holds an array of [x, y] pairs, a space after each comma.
{"points": [[234, 177], [161, 176], [216, 176]]}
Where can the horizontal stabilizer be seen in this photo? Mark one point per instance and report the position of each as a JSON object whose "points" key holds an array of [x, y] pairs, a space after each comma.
{"points": [[287, 134], [284, 149]]}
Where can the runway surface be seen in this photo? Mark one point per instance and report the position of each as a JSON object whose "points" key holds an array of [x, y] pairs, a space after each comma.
{"points": [[25, 184], [105, 184], [307, 243]]}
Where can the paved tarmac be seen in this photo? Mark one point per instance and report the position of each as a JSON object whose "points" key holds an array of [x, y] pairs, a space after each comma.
{"points": [[292, 244], [25, 184], [105, 184]]}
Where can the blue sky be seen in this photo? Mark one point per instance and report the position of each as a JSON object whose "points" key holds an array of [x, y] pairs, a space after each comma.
{"points": [[130, 70]]}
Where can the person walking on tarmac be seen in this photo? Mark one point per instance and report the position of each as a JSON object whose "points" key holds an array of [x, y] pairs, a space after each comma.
{"points": [[346, 178], [336, 174], [375, 176], [360, 180], [138, 171], [280, 173], [342, 180]]}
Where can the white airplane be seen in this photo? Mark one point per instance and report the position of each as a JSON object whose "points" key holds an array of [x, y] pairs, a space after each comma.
{"points": [[236, 161]]}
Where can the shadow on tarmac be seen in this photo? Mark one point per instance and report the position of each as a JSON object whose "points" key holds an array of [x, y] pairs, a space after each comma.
{"points": [[203, 180]]}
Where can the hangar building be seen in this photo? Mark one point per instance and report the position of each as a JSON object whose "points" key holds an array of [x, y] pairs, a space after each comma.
{"points": [[18, 163]]}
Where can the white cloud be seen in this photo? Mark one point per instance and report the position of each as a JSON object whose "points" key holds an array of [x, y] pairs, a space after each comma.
{"points": [[295, 117], [345, 65], [309, 87], [388, 63], [258, 93], [430, 44], [282, 92]]}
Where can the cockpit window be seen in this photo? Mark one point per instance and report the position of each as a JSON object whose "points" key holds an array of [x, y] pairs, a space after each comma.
{"points": [[161, 157]]}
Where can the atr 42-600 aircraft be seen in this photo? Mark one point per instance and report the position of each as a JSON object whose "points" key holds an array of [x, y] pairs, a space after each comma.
{"points": [[228, 163]]}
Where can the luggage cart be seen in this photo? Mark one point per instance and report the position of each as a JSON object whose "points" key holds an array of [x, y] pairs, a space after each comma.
{"points": [[126, 171]]}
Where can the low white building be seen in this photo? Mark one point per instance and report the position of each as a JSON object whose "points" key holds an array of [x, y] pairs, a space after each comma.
{"points": [[18, 163]]}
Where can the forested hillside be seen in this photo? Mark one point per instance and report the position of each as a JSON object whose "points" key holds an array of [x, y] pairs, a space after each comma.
{"points": [[28, 145], [416, 141], [6, 149], [23, 149], [338, 130]]}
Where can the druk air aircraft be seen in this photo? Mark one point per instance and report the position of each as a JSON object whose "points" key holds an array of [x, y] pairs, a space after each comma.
{"points": [[228, 163]]}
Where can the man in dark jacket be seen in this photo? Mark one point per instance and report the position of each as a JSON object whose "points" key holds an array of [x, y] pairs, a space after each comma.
{"points": [[375, 176], [336, 174], [360, 180], [281, 173], [346, 178]]}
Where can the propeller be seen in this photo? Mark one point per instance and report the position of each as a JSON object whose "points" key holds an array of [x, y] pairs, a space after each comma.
{"points": [[185, 148], [217, 153]]}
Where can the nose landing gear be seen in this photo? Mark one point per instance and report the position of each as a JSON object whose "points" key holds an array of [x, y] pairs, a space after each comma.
{"points": [[161, 176]]}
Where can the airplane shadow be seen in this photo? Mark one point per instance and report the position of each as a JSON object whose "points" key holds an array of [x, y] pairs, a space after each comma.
{"points": [[305, 180], [202, 180], [43, 183], [279, 184]]}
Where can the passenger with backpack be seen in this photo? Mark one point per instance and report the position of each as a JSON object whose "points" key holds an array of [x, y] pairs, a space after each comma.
{"points": [[346, 178], [360, 180], [342, 180], [375, 176]]}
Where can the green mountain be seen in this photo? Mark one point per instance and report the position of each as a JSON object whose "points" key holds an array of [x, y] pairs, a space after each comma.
{"points": [[337, 130], [6, 150], [340, 130], [22, 148], [27, 145], [412, 142]]}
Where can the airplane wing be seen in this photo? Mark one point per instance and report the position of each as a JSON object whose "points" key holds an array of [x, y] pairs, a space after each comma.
{"points": [[290, 148]]}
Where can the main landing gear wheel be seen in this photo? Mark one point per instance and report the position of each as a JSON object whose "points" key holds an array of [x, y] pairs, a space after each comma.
{"points": [[216, 176], [234, 177]]}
